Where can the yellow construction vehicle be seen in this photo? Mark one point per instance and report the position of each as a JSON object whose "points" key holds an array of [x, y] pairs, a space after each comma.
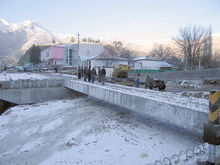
{"points": [[120, 75], [121, 71]]}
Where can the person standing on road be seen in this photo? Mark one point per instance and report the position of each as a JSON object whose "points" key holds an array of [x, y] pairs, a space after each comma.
{"points": [[89, 73], [147, 83], [137, 81], [93, 73], [85, 74], [79, 72], [55, 68], [82, 72], [99, 73], [103, 73]]}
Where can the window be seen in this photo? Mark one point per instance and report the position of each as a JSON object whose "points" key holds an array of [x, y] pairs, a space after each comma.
{"points": [[70, 56]]}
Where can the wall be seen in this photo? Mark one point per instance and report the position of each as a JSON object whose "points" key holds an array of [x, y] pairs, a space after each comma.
{"points": [[57, 52], [90, 50], [208, 74], [46, 54], [32, 91]]}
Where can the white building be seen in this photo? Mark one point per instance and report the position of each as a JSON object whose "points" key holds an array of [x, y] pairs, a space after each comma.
{"points": [[108, 61], [73, 57], [150, 63]]}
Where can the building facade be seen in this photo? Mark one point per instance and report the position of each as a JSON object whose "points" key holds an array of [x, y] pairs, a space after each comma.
{"points": [[70, 54], [78, 54], [52, 56], [149, 63]]}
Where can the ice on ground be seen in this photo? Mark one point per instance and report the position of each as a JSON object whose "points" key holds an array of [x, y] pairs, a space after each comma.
{"points": [[4, 132], [4, 120], [52, 125], [29, 146], [86, 131]]}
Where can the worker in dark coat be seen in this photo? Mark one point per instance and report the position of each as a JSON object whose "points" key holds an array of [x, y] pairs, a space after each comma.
{"points": [[79, 72], [85, 74], [99, 72], [93, 73], [82, 72], [89, 73], [147, 83], [103, 73]]}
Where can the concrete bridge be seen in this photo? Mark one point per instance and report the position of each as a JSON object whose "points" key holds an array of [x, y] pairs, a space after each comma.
{"points": [[27, 91], [190, 113]]}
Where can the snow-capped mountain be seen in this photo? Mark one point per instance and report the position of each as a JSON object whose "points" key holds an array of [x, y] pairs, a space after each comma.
{"points": [[15, 39]]}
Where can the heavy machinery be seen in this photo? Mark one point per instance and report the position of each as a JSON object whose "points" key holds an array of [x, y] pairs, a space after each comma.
{"points": [[151, 83], [121, 71], [120, 75]]}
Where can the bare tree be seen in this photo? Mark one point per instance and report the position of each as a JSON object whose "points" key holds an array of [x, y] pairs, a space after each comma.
{"points": [[72, 39], [206, 59], [190, 42], [117, 49], [118, 46], [53, 41], [161, 51]]}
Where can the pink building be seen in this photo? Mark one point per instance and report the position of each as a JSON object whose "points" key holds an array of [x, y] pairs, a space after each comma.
{"points": [[53, 56]]}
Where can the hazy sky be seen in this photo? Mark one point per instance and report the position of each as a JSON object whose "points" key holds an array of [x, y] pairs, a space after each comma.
{"points": [[136, 21]]}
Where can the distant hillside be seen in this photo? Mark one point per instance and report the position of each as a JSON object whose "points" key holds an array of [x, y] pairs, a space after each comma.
{"points": [[15, 39]]}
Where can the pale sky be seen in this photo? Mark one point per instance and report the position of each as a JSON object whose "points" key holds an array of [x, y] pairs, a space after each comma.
{"points": [[136, 21]]}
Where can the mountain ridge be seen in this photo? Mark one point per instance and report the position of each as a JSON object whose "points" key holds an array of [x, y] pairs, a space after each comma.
{"points": [[15, 39]]}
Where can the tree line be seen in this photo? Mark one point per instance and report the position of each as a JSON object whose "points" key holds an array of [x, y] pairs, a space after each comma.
{"points": [[194, 49]]}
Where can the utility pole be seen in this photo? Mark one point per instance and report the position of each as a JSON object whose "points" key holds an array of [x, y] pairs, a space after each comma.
{"points": [[78, 46], [78, 37]]}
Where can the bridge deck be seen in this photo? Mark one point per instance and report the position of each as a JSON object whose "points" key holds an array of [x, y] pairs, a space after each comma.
{"points": [[186, 112]]}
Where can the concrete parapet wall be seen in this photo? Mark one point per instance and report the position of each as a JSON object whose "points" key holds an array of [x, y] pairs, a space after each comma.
{"points": [[207, 74], [23, 84], [174, 114]]}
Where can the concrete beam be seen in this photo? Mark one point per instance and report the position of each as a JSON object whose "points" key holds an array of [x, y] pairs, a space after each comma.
{"points": [[34, 95]]}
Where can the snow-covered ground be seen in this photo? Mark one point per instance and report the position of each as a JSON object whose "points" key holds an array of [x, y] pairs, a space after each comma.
{"points": [[20, 76], [86, 131]]}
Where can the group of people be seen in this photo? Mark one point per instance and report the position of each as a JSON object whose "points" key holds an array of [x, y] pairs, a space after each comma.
{"points": [[90, 75]]}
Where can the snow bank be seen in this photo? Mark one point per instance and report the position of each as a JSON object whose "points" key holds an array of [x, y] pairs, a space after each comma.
{"points": [[20, 76]]}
